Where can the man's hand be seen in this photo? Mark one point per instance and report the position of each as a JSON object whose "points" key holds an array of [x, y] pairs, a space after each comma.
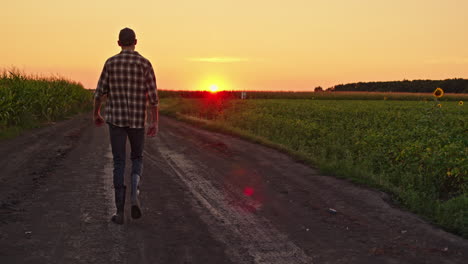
{"points": [[98, 120], [153, 130]]}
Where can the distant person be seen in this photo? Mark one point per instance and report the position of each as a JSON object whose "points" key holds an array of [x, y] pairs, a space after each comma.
{"points": [[129, 82]]}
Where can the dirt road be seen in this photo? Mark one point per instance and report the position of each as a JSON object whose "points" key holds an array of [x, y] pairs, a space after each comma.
{"points": [[206, 198]]}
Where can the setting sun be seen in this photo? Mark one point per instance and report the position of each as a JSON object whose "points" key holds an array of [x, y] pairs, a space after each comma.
{"points": [[214, 88]]}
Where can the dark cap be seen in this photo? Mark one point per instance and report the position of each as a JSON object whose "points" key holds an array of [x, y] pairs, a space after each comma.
{"points": [[127, 37]]}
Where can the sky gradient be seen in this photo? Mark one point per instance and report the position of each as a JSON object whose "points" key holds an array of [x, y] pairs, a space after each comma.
{"points": [[260, 45]]}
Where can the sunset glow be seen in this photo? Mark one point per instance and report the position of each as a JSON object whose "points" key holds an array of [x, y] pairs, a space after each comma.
{"points": [[214, 88], [250, 45]]}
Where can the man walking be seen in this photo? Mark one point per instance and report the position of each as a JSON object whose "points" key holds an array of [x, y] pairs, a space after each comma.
{"points": [[129, 82]]}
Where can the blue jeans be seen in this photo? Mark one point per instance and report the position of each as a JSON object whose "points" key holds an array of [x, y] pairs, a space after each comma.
{"points": [[118, 137]]}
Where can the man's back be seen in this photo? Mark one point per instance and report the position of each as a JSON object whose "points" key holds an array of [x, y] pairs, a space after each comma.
{"points": [[128, 80]]}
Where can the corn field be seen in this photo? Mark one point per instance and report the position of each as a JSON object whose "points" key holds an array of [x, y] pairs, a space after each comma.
{"points": [[32, 100]]}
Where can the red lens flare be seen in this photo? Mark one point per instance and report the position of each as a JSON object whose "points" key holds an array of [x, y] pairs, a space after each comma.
{"points": [[249, 191]]}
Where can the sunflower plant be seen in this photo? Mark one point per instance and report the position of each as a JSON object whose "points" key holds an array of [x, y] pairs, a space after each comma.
{"points": [[438, 93]]}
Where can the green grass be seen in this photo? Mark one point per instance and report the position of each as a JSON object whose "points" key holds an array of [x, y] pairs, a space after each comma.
{"points": [[27, 101], [412, 149]]}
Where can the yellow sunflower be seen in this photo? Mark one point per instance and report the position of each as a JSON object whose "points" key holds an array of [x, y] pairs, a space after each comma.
{"points": [[460, 103], [439, 105], [438, 92]]}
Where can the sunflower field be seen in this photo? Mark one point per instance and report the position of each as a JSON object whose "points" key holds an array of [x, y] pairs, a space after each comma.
{"points": [[416, 150]]}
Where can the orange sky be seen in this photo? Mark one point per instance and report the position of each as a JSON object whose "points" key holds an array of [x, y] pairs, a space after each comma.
{"points": [[261, 44]]}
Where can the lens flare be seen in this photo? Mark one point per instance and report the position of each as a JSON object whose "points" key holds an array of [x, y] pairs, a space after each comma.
{"points": [[249, 191]]}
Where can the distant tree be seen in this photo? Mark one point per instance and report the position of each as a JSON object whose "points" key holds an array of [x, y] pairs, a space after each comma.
{"points": [[318, 89], [415, 86]]}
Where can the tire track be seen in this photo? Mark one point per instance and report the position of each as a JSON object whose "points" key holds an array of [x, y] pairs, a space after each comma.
{"points": [[117, 232], [247, 235]]}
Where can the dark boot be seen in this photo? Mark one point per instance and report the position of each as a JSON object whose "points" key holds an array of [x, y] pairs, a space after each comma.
{"points": [[118, 218], [136, 210]]}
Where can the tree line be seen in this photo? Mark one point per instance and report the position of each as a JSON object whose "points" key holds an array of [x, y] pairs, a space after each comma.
{"points": [[415, 86]]}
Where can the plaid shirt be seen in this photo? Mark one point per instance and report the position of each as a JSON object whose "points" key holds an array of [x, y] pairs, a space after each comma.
{"points": [[128, 80]]}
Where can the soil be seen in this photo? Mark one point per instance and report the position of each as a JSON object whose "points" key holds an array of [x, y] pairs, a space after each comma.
{"points": [[206, 198]]}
